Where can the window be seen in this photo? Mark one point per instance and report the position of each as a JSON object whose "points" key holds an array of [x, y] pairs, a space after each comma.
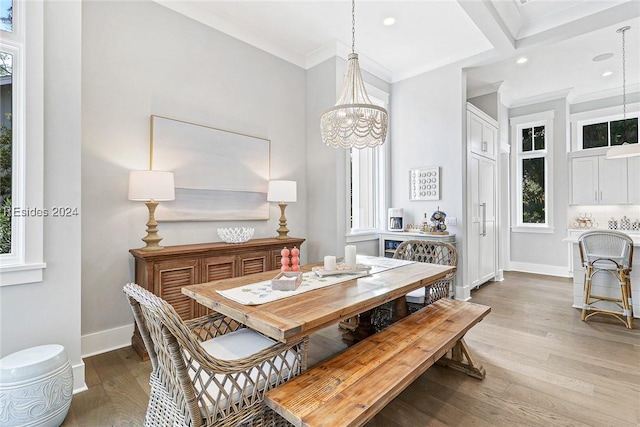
{"points": [[10, 90], [367, 183], [609, 131], [21, 154], [532, 140]]}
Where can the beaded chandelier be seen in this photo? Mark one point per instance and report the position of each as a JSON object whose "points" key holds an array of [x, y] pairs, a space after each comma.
{"points": [[354, 122]]}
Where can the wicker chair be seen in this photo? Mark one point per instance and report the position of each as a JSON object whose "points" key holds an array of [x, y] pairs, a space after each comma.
{"points": [[433, 252], [210, 370], [608, 252]]}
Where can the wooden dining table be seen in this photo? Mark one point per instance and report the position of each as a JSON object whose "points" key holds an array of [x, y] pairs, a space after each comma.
{"points": [[300, 315]]}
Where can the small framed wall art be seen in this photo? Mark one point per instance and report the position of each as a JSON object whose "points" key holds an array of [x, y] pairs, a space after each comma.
{"points": [[424, 183]]}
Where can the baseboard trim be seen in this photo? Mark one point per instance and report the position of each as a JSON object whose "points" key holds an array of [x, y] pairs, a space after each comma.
{"points": [[103, 341], [549, 270], [78, 378]]}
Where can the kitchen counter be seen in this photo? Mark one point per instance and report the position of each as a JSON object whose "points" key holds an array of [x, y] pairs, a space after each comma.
{"points": [[603, 284], [575, 233]]}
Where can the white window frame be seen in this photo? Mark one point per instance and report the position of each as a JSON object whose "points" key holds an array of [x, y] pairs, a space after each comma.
{"points": [[377, 160], [579, 120], [517, 125], [25, 262]]}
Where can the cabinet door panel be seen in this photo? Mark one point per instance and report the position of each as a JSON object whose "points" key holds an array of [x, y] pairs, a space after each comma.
{"points": [[489, 140], [633, 173], [475, 225], [253, 263], [219, 267], [584, 181], [613, 181], [475, 134], [487, 199], [170, 277]]}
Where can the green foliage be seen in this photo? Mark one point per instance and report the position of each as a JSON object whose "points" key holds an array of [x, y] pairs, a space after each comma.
{"points": [[6, 160], [5, 227], [533, 195]]}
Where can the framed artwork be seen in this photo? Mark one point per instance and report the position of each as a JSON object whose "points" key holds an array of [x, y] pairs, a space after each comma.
{"points": [[424, 184], [219, 175]]}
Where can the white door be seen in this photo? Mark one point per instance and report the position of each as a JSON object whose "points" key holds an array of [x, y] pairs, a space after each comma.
{"points": [[487, 189], [482, 233], [475, 226]]}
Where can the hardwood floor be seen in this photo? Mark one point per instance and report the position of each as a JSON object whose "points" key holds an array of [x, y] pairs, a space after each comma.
{"points": [[545, 367]]}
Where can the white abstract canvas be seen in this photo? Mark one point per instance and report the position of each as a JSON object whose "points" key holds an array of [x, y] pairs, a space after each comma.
{"points": [[219, 175]]}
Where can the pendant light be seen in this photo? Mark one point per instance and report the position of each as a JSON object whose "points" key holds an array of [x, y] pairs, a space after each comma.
{"points": [[354, 122], [626, 149]]}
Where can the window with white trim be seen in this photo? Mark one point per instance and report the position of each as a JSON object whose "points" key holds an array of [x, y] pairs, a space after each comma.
{"points": [[367, 180], [532, 138], [22, 214], [608, 131], [11, 88]]}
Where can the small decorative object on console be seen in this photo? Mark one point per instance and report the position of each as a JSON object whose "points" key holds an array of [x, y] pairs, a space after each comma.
{"points": [[236, 235], [286, 281], [438, 222], [585, 220]]}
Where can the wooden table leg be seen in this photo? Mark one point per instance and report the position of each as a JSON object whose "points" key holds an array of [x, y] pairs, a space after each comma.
{"points": [[459, 353], [400, 308], [362, 331]]}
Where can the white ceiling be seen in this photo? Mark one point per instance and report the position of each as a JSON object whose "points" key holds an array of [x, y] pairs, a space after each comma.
{"points": [[559, 38]]}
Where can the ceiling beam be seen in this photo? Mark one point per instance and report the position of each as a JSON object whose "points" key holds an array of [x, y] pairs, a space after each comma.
{"points": [[489, 22]]}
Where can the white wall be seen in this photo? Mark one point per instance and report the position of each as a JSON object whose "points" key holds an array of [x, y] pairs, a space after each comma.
{"points": [[427, 130], [49, 311], [139, 58], [545, 253]]}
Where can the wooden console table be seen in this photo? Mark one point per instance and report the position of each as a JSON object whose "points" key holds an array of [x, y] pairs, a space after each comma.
{"points": [[166, 271]]}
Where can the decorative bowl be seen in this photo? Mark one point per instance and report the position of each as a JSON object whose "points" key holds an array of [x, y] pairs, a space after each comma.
{"points": [[236, 234]]}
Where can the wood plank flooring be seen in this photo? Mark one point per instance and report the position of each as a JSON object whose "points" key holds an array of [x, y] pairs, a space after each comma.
{"points": [[545, 367]]}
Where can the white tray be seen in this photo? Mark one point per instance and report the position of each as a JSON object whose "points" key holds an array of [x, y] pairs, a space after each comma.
{"points": [[341, 269]]}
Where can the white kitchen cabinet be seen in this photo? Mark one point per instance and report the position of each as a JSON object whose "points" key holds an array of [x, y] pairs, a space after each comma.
{"points": [[596, 180], [481, 256], [481, 133], [633, 183]]}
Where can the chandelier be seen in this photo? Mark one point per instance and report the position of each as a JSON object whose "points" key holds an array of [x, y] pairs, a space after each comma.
{"points": [[626, 149], [354, 122]]}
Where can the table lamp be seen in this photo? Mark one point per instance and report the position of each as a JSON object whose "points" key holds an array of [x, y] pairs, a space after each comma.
{"points": [[151, 187], [282, 192]]}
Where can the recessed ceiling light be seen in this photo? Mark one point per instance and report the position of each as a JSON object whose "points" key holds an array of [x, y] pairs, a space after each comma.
{"points": [[607, 73], [602, 57], [389, 21], [522, 60]]}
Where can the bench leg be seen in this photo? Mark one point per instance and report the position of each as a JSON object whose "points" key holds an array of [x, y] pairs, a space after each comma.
{"points": [[462, 360]]}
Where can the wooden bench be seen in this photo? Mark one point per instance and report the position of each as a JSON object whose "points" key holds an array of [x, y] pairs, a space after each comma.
{"points": [[354, 385]]}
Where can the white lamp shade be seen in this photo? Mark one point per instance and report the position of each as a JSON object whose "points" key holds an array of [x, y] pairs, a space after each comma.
{"points": [[151, 185], [282, 191], [624, 150]]}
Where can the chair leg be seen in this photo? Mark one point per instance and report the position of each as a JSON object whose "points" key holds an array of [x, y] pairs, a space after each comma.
{"points": [[625, 293], [587, 292]]}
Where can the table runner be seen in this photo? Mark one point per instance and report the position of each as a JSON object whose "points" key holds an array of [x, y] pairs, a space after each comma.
{"points": [[261, 292]]}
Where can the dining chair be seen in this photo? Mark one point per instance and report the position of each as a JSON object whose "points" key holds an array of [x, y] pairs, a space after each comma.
{"points": [[607, 252], [211, 370], [434, 252]]}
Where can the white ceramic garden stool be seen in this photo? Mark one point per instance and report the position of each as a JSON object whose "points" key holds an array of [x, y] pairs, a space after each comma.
{"points": [[36, 385]]}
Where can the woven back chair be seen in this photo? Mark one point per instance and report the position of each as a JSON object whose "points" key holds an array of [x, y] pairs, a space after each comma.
{"points": [[421, 251], [210, 370], [607, 253], [432, 252]]}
